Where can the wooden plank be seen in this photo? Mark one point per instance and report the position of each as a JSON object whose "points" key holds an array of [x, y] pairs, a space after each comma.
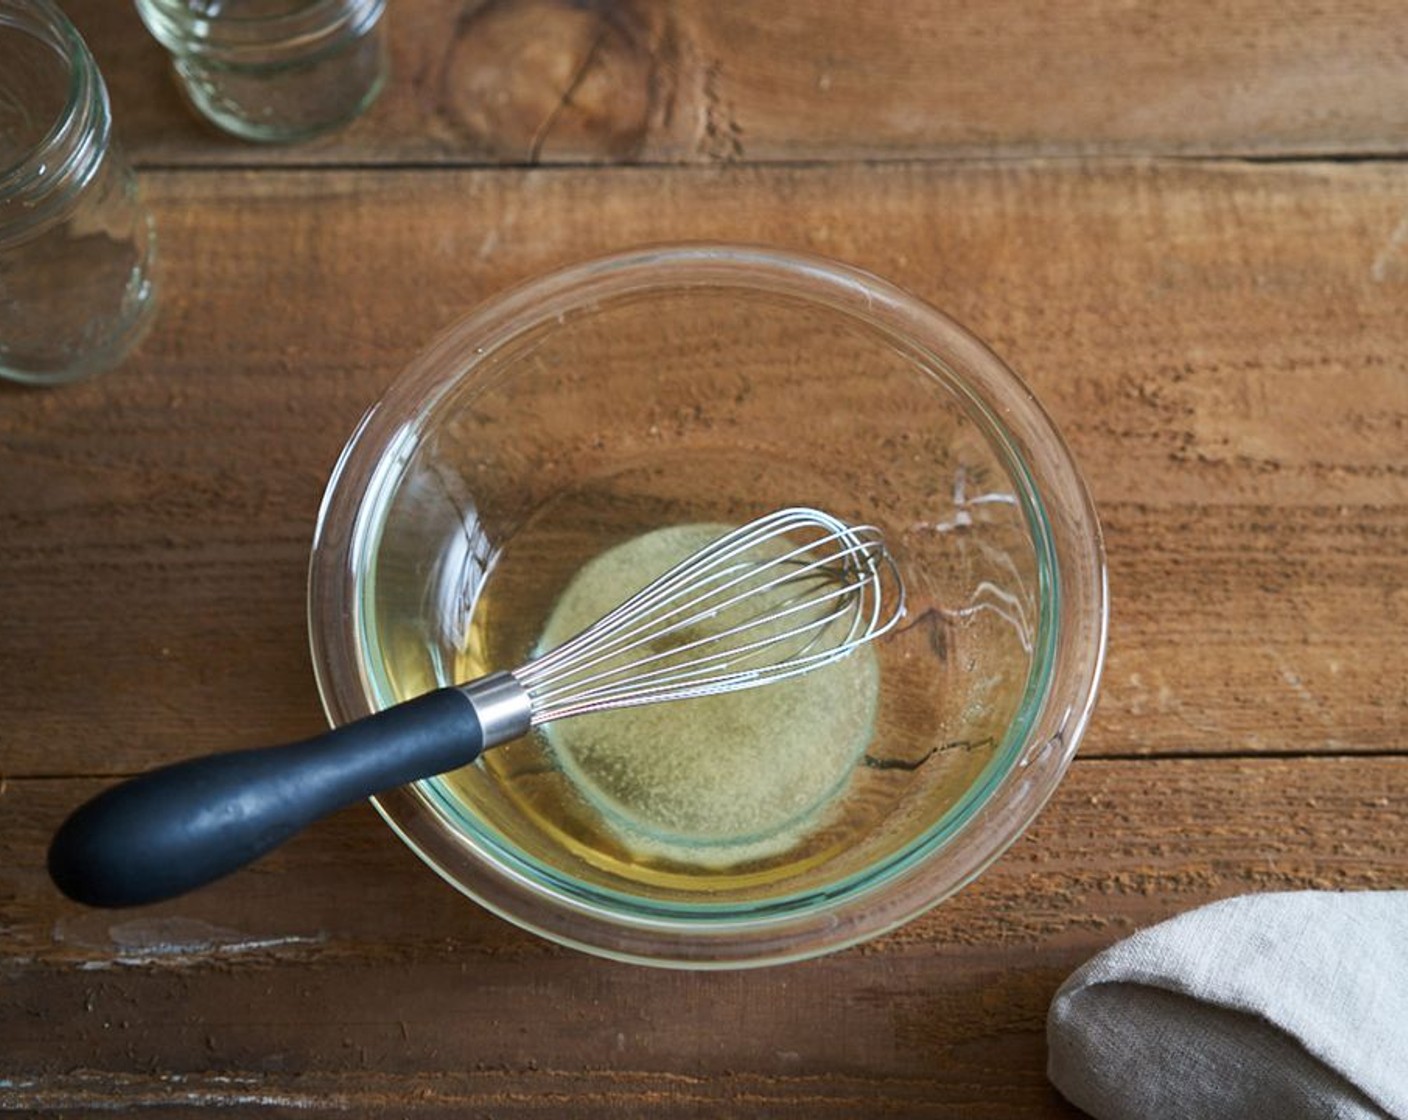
{"points": [[339, 973], [558, 81], [1224, 347]]}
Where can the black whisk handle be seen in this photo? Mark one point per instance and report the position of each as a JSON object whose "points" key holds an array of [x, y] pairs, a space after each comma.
{"points": [[174, 829]]}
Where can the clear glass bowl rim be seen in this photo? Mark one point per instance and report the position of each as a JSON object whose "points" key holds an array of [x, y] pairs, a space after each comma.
{"points": [[361, 482]]}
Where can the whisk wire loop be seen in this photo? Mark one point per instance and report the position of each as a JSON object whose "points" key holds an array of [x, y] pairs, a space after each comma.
{"points": [[701, 665], [753, 607], [653, 628]]}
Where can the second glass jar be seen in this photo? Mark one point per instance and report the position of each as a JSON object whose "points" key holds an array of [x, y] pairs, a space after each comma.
{"points": [[274, 70]]}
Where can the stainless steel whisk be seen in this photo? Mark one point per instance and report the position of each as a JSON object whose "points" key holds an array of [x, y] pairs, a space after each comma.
{"points": [[783, 595]]}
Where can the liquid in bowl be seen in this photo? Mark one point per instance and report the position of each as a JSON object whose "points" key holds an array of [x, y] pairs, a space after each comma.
{"points": [[706, 386]]}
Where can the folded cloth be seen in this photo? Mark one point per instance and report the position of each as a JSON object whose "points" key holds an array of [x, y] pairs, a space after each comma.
{"points": [[1274, 1005]]}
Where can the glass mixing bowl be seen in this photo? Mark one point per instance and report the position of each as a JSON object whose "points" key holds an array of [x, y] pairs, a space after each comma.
{"points": [[708, 384]]}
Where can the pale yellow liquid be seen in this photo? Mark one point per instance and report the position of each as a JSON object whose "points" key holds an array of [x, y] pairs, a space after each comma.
{"points": [[714, 793], [710, 408], [928, 709]]}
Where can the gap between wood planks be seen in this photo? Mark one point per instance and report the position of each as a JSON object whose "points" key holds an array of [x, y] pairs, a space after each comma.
{"points": [[1080, 760], [1151, 159]]}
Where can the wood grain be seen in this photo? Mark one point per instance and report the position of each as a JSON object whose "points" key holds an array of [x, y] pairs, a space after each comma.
{"points": [[340, 974], [560, 81], [1223, 347], [1221, 339]]}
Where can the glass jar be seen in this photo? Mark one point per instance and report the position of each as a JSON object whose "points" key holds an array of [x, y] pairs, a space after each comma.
{"points": [[273, 70], [77, 248]]}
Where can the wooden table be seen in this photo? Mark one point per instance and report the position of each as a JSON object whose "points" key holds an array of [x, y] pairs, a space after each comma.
{"points": [[1185, 224]]}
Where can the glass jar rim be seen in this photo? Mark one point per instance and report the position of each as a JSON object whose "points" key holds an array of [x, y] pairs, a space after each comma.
{"points": [[45, 183], [266, 40], [872, 901]]}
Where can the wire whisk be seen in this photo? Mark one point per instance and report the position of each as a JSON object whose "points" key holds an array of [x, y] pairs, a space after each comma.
{"points": [[783, 595]]}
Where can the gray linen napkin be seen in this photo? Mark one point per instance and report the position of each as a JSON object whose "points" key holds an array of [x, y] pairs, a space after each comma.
{"points": [[1274, 1005]]}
